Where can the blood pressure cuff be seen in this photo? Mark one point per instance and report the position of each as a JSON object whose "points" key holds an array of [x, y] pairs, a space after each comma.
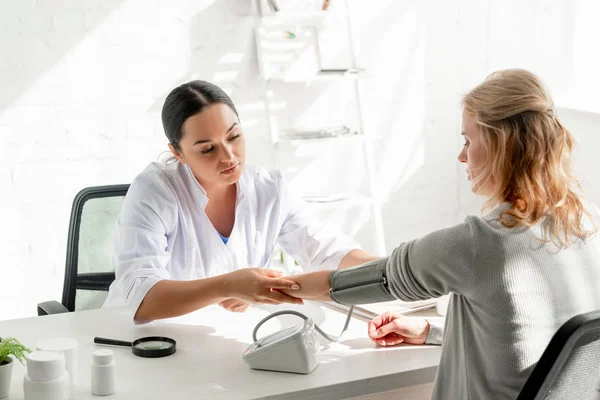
{"points": [[362, 284]]}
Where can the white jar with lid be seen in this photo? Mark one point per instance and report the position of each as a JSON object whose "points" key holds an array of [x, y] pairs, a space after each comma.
{"points": [[68, 347], [46, 377], [103, 372]]}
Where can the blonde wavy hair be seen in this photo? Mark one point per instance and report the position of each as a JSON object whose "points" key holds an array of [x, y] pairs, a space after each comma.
{"points": [[528, 156]]}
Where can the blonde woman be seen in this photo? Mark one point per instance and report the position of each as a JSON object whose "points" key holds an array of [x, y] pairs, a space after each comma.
{"points": [[516, 273]]}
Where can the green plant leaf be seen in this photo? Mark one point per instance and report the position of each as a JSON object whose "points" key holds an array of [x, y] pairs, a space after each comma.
{"points": [[11, 346]]}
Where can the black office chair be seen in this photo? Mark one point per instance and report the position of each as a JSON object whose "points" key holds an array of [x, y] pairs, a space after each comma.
{"points": [[570, 366], [90, 267]]}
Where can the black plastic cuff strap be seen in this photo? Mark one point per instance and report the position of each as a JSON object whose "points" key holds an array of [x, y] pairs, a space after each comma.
{"points": [[362, 284]]}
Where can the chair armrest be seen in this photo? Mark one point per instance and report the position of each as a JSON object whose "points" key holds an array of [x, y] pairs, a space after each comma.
{"points": [[51, 307]]}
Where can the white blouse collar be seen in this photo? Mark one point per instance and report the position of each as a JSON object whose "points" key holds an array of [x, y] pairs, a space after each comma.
{"points": [[241, 185]]}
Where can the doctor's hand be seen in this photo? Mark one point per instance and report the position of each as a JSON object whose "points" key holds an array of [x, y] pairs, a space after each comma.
{"points": [[390, 329], [260, 286], [234, 305]]}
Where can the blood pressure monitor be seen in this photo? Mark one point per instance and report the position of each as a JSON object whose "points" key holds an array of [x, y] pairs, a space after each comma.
{"points": [[295, 349]]}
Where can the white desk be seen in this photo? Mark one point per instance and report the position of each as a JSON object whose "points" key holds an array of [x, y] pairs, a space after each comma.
{"points": [[208, 364]]}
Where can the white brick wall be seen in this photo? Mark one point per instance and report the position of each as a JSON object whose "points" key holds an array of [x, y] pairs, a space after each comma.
{"points": [[82, 85]]}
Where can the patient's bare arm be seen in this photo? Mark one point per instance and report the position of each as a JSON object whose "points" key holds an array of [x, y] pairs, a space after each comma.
{"points": [[313, 286]]}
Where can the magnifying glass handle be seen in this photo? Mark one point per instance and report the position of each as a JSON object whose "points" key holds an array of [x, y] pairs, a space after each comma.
{"points": [[113, 342]]}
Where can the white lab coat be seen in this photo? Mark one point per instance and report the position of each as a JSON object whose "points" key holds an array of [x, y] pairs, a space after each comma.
{"points": [[163, 232]]}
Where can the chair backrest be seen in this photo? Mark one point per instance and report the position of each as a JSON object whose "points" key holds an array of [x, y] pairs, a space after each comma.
{"points": [[570, 366], [90, 265]]}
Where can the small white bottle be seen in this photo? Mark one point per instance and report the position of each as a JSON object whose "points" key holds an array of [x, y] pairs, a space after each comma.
{"points": [[46, 377], [103, 372]]}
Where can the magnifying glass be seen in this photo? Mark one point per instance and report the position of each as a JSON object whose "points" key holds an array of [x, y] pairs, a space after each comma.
{"points": [[148, 347]]}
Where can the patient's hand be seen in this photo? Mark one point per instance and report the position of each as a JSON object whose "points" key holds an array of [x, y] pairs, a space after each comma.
{"points": [[313, 286], [390, 329]]}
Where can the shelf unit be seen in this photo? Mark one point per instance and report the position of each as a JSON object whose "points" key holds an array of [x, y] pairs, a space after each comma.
{"points": [[288, 51]]}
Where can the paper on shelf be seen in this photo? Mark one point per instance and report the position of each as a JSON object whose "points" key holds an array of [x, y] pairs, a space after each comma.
{"points": [[326, 199]]}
